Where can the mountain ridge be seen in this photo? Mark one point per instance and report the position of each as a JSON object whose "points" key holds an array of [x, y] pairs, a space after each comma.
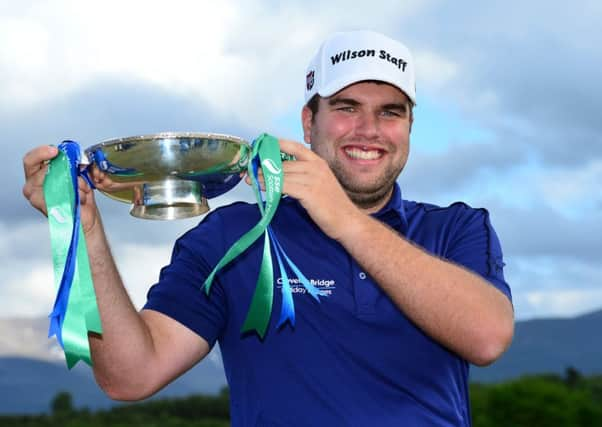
{"points": [[33, 369]]}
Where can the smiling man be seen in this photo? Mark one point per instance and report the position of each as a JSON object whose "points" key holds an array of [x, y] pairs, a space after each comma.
{"points": [[416, 292]]}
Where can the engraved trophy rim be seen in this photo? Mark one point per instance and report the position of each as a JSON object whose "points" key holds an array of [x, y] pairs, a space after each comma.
{"points": [[170, 135]]}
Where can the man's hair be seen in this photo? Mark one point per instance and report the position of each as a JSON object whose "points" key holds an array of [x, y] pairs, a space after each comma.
{"points": [[313, 105]]}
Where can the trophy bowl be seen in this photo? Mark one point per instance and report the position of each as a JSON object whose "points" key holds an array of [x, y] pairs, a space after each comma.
{"points": [[169, 175]]}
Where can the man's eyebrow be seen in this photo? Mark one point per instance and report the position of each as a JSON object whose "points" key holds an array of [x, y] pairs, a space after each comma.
{"points": [[347, 101], [399, 106], [396, 106]]}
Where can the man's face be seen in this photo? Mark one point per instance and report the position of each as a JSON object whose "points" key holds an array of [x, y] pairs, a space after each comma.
{"points": [[363, 134]]}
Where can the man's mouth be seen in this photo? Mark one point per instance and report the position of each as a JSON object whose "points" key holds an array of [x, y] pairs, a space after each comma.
{"points": [[363, 153]]}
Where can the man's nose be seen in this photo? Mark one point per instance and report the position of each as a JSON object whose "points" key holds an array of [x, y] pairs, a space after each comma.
{"points": [[368, 125]]}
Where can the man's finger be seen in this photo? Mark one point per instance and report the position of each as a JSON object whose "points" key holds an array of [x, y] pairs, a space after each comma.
{"points": [[97, 175], [36, 198], [298, 150], [34, 160], [299, 189], [296, 168], [251, 179], [83, 185]]}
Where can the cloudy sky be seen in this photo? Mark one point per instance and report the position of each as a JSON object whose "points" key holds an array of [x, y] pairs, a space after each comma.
{"points": [[508, 117]]}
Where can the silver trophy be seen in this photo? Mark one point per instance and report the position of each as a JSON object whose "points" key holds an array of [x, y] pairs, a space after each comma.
{"points": [[170, 175]]}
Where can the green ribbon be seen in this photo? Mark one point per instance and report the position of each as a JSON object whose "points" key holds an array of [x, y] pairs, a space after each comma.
{"points": [[75, 312], [267, 149]]}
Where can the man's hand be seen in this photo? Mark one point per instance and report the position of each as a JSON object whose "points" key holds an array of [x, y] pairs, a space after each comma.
{"points": [[35, 166], [310, 180]]}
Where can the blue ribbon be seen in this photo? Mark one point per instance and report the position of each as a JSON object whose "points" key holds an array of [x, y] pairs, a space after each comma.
{"points": [[57, 316], [104, 165]]}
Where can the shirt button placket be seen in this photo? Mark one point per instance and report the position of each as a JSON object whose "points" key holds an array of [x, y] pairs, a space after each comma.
{"points": [[364, 291]]}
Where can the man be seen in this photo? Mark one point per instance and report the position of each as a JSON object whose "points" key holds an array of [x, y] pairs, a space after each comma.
{"points": [[416, 292]]}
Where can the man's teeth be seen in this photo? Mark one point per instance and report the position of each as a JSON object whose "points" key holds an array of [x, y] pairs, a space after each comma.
{"points": [[356, 153]]}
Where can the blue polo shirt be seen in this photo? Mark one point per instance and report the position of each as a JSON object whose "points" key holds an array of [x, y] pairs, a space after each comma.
{"points": [[352, 359]]}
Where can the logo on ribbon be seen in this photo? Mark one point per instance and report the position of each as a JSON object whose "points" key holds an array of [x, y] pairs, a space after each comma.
{"points": [[58, 216], [270, 165]]}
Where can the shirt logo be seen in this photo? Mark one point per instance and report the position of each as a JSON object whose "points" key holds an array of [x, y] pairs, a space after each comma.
{"points": [[325, 286]]}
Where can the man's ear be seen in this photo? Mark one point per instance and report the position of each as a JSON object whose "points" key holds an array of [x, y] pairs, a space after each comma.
{"points": [[306, 121]]}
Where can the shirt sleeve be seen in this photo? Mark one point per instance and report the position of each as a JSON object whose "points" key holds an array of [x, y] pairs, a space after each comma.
{"points": [[475, 245], [180, 294]]}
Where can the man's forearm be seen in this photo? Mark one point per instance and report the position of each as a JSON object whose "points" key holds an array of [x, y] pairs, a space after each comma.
{"points": [[454, 306], [124, 349]]}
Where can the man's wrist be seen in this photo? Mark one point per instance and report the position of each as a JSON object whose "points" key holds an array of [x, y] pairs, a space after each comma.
{"points": [[356, 227]]}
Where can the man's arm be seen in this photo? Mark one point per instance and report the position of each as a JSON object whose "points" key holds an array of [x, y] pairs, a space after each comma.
{"points": [[454, 306], [138, 353]]}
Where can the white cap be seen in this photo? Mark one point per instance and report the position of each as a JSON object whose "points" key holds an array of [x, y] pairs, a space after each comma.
{"points": [[351, 57]]}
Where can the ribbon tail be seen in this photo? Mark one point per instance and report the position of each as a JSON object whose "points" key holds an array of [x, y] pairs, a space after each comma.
{"points": [[54, 330], [75, 335], [61, 303], [287, 311], [82, 311], [311, 289], [260, 310]]}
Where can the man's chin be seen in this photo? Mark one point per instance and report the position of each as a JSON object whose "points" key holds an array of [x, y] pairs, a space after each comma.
{"points": [[369, 197]]}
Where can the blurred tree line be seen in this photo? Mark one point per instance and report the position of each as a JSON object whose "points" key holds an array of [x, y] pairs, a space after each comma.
{"points": [[196, 410], [542, 401], [539, 401]]}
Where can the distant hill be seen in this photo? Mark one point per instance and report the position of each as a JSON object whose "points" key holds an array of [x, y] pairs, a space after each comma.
{"points": [[28, 385], [549, 346], [32, 368]]}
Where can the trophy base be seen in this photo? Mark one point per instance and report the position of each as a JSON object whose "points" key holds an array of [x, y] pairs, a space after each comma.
{"points": [[170, 199], [165, 212]]}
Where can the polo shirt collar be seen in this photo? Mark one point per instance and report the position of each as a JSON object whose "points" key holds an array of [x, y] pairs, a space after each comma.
{"points": [[393, 211], [394, 208]]}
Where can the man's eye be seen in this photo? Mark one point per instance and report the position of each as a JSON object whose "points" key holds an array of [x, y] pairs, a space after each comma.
{"points": [[347, 109], [391, 113]]}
